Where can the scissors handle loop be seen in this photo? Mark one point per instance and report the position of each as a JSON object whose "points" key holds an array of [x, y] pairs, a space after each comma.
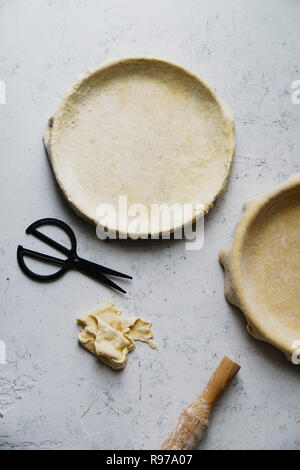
{"points": [[32, 230], [21, 252]]}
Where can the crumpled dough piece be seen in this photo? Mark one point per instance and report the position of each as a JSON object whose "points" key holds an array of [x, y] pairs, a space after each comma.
{"points": [[111, 337]]}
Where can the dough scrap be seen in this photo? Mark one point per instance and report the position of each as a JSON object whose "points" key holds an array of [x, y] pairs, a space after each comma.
{"points": [[109, 336], [262, 266], [146, 129]]}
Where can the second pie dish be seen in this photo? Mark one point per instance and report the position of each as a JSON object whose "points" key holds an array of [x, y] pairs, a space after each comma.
{"points": [[262, 266]]}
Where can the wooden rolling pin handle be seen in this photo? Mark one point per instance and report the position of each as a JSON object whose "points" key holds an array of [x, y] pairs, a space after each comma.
{"points": [[219, 381], [193, 421]]}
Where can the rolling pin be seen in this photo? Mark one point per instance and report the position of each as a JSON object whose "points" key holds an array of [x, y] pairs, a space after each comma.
{"points": [[193, 421]]}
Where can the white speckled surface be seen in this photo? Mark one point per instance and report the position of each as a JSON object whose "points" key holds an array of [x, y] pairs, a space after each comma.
{"points": [[53, 394]]}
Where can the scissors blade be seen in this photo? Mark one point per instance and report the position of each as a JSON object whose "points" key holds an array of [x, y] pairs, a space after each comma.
{"points": [[100, 277], [112, 272], [113, 284], [91, 267]]}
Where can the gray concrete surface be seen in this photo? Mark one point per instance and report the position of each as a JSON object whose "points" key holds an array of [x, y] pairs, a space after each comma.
{"points": [[53, 394]]}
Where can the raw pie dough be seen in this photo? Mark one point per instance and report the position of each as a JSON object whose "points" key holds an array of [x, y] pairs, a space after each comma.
{"points": [[142, 128], [110, 336], [262, 266]]}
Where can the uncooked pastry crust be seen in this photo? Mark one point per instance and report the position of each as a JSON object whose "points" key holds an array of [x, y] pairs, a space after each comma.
{"points": [[110, 337], [144, 128], [262, 266]]}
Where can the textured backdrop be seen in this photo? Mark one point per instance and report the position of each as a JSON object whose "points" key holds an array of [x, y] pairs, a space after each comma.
{"points": [[53, 394]]}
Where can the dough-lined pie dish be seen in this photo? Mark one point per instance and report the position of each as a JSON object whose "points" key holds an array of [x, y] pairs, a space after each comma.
{"points": [[262, 266], [142, 128]]}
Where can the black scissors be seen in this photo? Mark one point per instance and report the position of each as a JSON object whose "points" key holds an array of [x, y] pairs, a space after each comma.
{"points": [[73, 261]]}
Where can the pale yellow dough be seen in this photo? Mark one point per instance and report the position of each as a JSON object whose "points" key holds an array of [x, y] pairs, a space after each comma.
{"points": [[142, 128], [110, 336], [262, 266]]}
